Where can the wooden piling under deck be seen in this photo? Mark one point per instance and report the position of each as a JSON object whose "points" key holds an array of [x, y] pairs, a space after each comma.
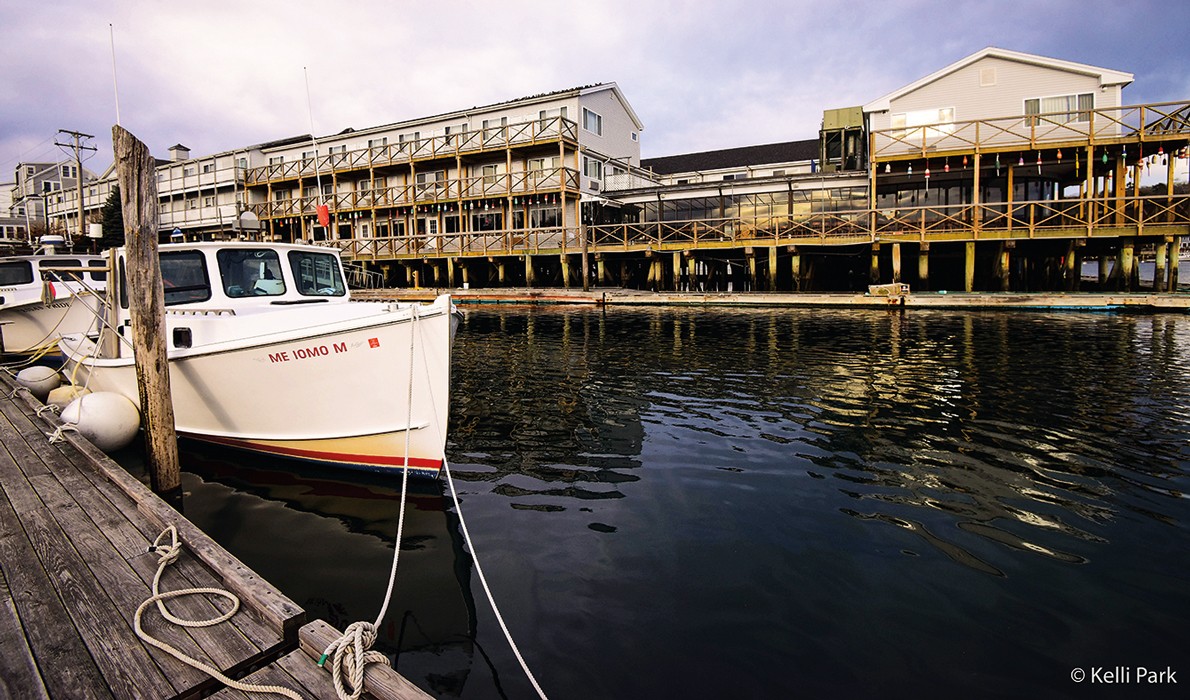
{"points": [[75, 531]]}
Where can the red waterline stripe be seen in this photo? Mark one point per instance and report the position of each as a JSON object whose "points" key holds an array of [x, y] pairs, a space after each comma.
{"points": [[321, 456]]}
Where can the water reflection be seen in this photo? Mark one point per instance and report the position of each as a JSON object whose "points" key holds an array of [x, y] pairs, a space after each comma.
{"points": [[325, 536], [769, 502], [956, 414]]}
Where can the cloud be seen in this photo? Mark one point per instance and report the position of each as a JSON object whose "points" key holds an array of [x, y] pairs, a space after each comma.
{"points": [[701, 75]]}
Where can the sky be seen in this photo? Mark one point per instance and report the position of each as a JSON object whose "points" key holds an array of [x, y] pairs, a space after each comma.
{"points": [[217, 75]]}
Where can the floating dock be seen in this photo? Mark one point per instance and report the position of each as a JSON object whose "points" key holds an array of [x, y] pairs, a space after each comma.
{"points": [[75, 564], [926, 300]]}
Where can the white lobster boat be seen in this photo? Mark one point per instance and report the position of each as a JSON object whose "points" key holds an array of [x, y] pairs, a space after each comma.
{"points": [[268, 353], [46, 295]]}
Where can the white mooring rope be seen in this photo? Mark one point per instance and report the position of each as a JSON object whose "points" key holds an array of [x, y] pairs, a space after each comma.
{"points": [[169, 554], [351, 652], [475, 558]]}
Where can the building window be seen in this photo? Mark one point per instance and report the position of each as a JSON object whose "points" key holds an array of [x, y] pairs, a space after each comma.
{"points": [[939, 121], [207, 167], [208, 201], [276, 160], [592, 168], [186, 172], [489, 175], [280, 195], [1063, 108], [634, 136], [378, 143], [592, 122]]}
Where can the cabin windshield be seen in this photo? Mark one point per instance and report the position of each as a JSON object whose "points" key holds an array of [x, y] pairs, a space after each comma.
{"points": [[16, 272], [317, 274], [251, 272]]}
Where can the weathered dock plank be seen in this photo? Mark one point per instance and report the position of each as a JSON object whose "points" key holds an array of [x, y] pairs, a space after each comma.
{"points": [[75, 531], [75, 564]]}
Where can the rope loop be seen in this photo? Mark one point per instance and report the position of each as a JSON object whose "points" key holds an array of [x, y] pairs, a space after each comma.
{"points": [[349, 654]]}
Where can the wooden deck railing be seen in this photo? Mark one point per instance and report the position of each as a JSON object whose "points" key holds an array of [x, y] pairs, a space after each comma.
{"points": [[1097, 217], [455, 190], [550, 129], [1106, 125]]}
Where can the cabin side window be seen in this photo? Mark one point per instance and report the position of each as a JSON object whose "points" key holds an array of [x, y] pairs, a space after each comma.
{"points": [[184, 274], [16, 272], [254, 272], [49, 272], [317, 274], [100, 275]]}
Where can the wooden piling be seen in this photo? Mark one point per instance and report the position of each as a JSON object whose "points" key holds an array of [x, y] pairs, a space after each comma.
{"points": [[969, 267], [923, 266], [137, 174]]}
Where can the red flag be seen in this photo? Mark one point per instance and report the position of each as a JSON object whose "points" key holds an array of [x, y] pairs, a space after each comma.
{"points": [[324, 215]]}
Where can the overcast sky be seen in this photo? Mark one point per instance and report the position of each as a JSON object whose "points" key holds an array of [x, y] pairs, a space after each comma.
{"points": [[215, 75]]}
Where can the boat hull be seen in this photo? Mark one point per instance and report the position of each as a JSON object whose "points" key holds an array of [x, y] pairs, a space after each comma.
{"points": [[361, 392], [34, 327]]}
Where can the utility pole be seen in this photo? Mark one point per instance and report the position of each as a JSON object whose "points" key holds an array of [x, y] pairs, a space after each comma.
{"points": [[78, 148]]}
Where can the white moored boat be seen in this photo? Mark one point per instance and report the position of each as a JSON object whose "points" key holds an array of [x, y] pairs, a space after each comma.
{"points": [[268, 353], [46, 295]]}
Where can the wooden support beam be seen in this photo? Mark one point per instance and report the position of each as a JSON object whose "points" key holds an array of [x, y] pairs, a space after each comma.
{"points": [[529, 281], [1175, 249], [969, 266], [874, 265], [1127, 261], [795, 268], [137, 173], [772, 285], [896, 262], [923, 266], [1159, 272]]}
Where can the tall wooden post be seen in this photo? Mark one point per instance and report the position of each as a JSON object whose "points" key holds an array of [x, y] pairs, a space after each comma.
{"points": [[969, 267], [896, 262], [795, 268], [923, 266], [137, 174], [1159, 267], [772, 286], [874, 265], [1175, 250]]}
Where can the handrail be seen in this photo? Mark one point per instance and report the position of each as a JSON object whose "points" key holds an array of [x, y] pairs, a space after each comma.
{"points": [[441, 146], [1105, 124]]}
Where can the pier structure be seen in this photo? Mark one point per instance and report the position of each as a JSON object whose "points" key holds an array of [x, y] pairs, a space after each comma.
{"points": [[77, 560], [900, 190]]}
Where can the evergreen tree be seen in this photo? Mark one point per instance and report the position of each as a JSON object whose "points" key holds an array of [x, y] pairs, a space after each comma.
{"points": [[113, 221]]}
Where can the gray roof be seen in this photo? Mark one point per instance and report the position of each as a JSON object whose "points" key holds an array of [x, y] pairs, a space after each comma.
{"points": [[787, 152]]}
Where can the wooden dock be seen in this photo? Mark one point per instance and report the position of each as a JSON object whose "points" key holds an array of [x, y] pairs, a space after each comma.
{"points": [[617, 296], [75, 532]]}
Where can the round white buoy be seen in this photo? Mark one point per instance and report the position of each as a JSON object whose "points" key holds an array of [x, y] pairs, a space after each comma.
{"points": [[107, 419], [39, 380], [66, 393]]}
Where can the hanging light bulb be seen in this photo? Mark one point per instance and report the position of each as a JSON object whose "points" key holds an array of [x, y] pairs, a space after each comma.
{"points": [[1022, 160], [888, 167], [911, 168], [1059, 155], [946, 166], [1105, 156], [964, 162]]}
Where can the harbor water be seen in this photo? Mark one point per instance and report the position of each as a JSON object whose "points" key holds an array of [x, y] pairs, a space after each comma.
{"points": [[766, 503]]}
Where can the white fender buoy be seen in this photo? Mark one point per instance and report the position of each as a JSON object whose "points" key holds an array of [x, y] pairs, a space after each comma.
{"points": [[107, 419], [39, 380], [66, 393]]}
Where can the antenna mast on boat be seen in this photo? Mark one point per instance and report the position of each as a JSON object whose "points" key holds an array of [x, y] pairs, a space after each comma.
{"points": [[115, 83], [324, 217]]}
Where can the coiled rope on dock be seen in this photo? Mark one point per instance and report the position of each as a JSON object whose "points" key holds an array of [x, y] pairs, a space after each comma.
{"points": [[169, 553]]}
